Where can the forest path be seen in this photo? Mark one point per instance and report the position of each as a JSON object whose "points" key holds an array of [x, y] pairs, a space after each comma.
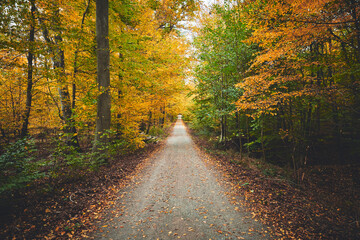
{"points": [[178, 197]]}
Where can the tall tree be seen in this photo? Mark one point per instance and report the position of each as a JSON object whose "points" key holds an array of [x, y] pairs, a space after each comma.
{"points": [[103, 118], [56, 48], [30, 69], [223, 62]]}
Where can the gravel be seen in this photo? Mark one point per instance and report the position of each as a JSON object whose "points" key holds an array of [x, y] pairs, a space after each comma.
{"points": [[178, 197]]}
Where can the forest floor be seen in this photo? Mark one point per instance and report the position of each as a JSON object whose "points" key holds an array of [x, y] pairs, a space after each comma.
{"points": [[183, 190], [325, 204], [66, 207]]}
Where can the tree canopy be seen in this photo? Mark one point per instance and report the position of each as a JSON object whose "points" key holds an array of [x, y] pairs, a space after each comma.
{"points": [[280, 78], [48, 78]]}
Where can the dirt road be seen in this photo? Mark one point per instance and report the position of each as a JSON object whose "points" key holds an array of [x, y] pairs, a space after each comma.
{"points": [[178, 197]]}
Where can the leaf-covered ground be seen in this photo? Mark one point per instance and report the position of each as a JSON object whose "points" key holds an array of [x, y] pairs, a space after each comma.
{"points": [[67, 207], [178, 197], [325, 205]]}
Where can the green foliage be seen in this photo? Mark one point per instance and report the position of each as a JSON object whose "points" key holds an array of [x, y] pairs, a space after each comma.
{"points": [[69, 157], [156, 131], [122, 146], [279, 87], [18, 166], [224, 60]]}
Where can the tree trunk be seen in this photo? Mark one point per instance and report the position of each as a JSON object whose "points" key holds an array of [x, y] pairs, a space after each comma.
{"points": [[69, 126], [163, 116], [103, 118], [262, 137], [247, 133], [30, 57], [149, 123], [225, 129], [59, 67], [222, 129], [238, 128], [76, 59]]}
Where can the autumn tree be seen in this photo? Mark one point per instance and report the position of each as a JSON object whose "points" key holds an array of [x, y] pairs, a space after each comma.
{"points": [[103, 71], [298, 96], [52, 90], [30, 70], [304, 73], [223, 62], [53, 35]]}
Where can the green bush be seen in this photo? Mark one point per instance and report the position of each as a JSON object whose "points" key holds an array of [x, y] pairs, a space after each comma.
{"points": [[156, 131], [18, 166], [69, 157]]}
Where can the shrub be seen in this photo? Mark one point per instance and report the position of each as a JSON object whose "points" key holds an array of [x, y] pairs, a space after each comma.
{"points": [[18, 166], [156, 131]]}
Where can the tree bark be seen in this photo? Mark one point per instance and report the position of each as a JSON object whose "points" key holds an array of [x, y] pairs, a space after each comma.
{"points": [[30, 57], [149, 123], [103, 118], [262, 138], [76, 58], [69, 126], [59, 65], [238, 128]]}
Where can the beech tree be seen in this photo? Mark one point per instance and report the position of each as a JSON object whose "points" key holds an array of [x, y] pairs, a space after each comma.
{"points": [[30, 70], [148, 66], [223, 62], [299, 94], [103, 117]]}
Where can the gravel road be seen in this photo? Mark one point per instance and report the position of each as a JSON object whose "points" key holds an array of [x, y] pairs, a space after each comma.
{"points": [[178, 197]]}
